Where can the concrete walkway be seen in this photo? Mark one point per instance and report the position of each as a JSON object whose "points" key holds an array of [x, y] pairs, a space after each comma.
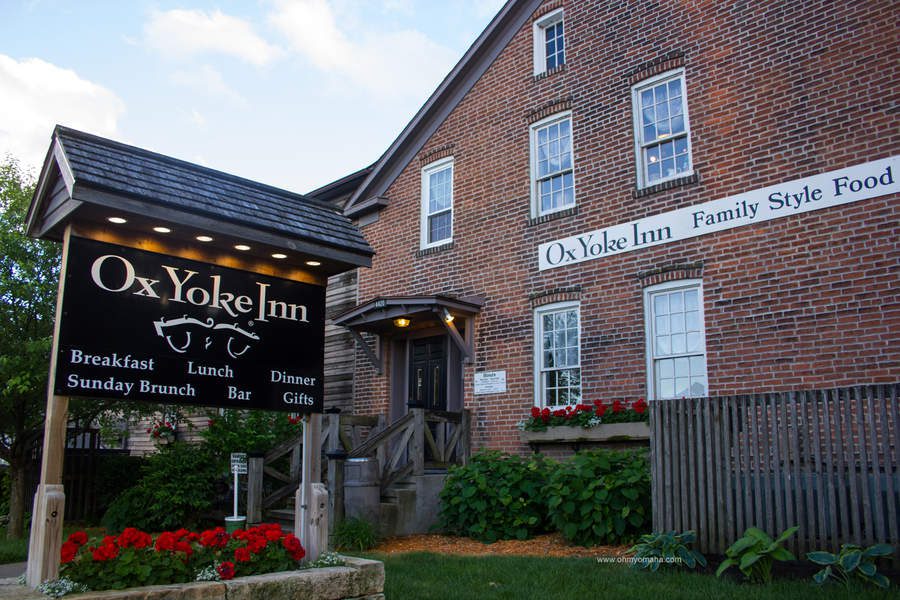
{"points": [[12, 569], [11, 590]]}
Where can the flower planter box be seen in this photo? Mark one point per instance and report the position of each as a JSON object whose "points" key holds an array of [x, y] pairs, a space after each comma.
{"points": [[611, 432], [359, 579]]}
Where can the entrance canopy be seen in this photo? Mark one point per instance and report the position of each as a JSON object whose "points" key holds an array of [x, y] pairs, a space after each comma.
{"points": [[121, 194], [379, 315], [395, 315]]}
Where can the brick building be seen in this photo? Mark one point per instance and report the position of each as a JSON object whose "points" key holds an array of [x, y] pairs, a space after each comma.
{"points": [[618, 200]]}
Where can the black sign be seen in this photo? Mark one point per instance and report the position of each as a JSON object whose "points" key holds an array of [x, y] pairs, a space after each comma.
{"points": [[143, 326]]}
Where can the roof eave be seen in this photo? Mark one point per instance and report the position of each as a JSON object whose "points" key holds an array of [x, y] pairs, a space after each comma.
{"points": [[441, 103]]}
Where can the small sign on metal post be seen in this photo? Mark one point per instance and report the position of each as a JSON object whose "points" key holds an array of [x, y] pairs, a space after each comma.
{"points": [[238, 467], [239, 463]]}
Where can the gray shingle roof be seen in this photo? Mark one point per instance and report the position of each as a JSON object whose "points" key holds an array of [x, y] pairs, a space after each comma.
{"points": [[157, 179]]}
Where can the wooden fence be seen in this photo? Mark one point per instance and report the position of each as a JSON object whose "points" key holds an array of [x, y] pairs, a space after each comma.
{"points": [[826, 460]]}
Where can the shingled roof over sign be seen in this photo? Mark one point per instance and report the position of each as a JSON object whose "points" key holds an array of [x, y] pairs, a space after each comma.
{"points": [[84, 171]]}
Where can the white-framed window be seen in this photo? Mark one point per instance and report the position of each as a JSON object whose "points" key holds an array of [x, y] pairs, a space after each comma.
{"points": [[549, 42], [676, 340], [661, 129], [557, 357], [437, 203], [552, 165]]}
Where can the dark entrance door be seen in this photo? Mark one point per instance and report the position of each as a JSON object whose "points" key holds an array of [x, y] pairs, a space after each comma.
{"points": [[428, 373]]}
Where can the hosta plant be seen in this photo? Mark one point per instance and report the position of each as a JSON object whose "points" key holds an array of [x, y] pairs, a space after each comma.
{"points": [[852, 563], [755, 552], [666, 548]]}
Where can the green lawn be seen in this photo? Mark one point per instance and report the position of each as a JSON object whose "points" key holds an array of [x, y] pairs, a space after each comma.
{"points": [[12, 551], [422, 576]]}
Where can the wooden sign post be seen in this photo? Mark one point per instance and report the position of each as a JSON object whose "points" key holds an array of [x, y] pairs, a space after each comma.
{"points": [[179, 285], [49, 502]]}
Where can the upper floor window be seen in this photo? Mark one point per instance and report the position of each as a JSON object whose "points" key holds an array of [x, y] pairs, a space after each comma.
{"points": [[437, 203], [549, 42], [662, 131], [552, 178], [676, 342], [557, 355]]}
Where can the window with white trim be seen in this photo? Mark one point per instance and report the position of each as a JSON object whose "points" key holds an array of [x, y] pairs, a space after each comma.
{"points": [[676, 340], [661, 129], [437, 203], [549, 42], [552, 165], [557, 360]]}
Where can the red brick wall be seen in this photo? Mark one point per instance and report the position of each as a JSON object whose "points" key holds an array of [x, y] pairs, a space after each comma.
{"points": [[776, 91]]}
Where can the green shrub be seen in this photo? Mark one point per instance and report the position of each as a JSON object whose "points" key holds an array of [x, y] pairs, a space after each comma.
{"points": [[495, 497], [355, 534], [115, 472], [853, 562], [248, 431], [131, 508], [176, 488], [755, 552], [666, 548], [600, 497]]}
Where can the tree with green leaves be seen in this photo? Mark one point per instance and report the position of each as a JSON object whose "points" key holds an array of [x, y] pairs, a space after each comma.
{"points": [[29, 278], [29, 273]]}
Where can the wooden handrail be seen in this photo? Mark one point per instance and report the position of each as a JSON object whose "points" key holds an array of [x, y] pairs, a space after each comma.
{"points": [[373, 441], [400, 447]]}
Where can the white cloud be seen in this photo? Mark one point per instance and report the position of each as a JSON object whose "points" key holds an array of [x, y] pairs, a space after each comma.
{"points": [[207, 80], [391, 63], [484, 9], [184, 33], [35, 95]]}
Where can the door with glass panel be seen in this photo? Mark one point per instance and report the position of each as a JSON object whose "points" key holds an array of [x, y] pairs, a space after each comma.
{"points": [[428, 373]]}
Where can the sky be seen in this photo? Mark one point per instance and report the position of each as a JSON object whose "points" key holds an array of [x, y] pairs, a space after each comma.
{"points": [[291, 93]]}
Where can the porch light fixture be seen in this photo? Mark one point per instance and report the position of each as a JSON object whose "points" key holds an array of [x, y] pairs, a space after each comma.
{"points": [[204, 238], [401, 322], [445, 314], [242, 247], [279, 255], [117, 220], [313, 263], [162, 230]]}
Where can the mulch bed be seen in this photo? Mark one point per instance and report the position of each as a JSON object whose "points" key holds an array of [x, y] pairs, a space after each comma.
{"points": [[551, 544]]}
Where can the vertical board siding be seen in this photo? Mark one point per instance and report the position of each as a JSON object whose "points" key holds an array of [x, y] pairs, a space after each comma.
{"points": [[824, 460]]}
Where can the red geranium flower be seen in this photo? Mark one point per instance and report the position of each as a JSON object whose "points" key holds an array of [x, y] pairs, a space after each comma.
{"points": [[273, 535], [182, 546], [214, 538], [535, 412], [600, 409], [69, 550], [617, 406], [105, 552], [242, 555], [79, 538], [257, 545], [166, 541], [640, 406], [293, 546], [134, 538], [226, 570]]}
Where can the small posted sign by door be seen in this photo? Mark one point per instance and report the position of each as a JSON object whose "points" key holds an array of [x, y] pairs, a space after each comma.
{"points": [[490, 382]]}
